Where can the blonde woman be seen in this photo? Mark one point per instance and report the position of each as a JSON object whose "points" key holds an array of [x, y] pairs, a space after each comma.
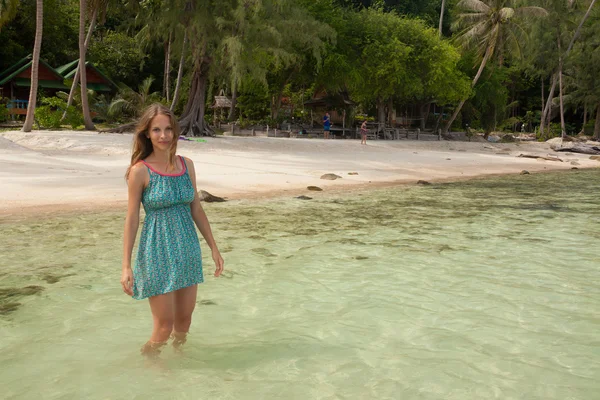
{"points": [[169, 263]]}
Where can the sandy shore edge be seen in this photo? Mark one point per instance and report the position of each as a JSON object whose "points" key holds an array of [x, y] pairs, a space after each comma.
{"points": [[50, 173]]}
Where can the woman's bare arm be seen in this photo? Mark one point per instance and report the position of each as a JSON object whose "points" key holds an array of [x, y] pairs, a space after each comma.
{"points": [[201, 221], [136, 183]]}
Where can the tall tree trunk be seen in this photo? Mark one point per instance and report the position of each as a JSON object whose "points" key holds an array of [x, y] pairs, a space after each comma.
{"points": [[380, 110], [584, 119], [425, 115], [35, 62], [192, 120], [439, 120], [442, 16], [167, 70], [597, 124], [575, 36], [560, 91], [541, 120], [179, 73], [486, 57], [87, 119], [233, 101], [76, 76]]}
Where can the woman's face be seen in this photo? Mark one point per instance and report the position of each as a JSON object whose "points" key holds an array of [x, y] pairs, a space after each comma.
{"points": [[161, 132]]}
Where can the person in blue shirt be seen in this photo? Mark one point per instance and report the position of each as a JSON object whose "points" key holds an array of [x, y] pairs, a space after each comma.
{"points": [[326, 125]]}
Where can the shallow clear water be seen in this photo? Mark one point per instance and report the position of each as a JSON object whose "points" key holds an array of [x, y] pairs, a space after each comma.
{"points": [[475, 290]]}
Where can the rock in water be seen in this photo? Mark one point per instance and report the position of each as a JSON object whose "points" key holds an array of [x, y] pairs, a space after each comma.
{"points": [[331, 177], [209, 198], [315, 188], [304, 198], [597, 158], [352, 173]]}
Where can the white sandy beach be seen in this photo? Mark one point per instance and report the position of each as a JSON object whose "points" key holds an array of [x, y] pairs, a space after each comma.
{"points": [[46, 171]]}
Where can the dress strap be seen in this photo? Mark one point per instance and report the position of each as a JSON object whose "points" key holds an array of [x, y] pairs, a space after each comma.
{"points": [[147, 167]]}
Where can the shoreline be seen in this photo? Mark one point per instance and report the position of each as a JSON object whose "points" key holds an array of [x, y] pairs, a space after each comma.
{"points": [[28, 212], [47, 173]]}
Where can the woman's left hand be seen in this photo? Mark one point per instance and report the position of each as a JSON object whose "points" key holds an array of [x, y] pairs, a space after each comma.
{"points": [[219, 263]]}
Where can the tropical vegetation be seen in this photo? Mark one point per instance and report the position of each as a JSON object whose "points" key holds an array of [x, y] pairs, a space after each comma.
{"points": [[487, 65]]}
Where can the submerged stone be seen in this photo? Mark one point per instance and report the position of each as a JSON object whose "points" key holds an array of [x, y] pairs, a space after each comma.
{"points": [[330, 177], [8, 308], [6, 293], [209, 198], [315, 188]]}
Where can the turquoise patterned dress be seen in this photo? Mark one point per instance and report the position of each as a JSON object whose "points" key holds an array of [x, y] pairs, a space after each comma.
{"points": [[169, 256]]}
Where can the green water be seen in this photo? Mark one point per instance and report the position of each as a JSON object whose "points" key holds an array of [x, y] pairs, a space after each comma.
{"points": [[476, 290]]}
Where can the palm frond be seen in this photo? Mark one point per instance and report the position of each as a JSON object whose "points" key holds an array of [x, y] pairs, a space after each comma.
{"points": [[473, 5], [531, 12]]}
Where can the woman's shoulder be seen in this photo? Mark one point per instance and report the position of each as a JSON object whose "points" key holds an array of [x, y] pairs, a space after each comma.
{"points": [[139, 169], [187, 160]]}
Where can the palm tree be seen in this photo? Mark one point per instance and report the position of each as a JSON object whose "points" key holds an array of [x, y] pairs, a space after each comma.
{"points": [[442, 16], [132, 103], [491, 26], [35, 62], [87, 119], [97, 10], [546, 111], [179, 73], [8, 9]]}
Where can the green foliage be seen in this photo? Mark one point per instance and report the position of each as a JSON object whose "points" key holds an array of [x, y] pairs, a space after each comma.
{"points": [[253, 101], [119, 55], [3, 109], [402, 58], [49, 115], [491, 96], [588, 128], [129, 104], [59, 41]]}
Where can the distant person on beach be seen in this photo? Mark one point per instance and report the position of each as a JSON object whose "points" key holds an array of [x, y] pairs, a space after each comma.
{"points": [[363, 132], [326, 125], [168, 268]]}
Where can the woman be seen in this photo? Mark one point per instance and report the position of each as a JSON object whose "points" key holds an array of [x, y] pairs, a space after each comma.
{"points": [[169, 263], [363, 132]]}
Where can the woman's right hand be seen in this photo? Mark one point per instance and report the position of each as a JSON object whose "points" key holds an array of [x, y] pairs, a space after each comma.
{"points": [[127, 281]]}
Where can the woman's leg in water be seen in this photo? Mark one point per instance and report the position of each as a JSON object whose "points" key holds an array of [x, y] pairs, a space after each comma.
{"points": [[163, 315], [185, 302]]}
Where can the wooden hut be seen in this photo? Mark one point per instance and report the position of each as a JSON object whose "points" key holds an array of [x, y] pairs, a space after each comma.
{"points": [[15, 83], [221, 103]]}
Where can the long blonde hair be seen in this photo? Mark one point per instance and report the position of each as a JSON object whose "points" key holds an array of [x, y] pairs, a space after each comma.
{"points": [[142, 145]]}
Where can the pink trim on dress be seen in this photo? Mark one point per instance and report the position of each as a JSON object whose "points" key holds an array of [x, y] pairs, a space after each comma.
{"points": [[183, 168]]}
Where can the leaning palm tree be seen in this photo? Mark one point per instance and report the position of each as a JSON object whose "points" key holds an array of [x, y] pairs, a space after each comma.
{"points": [[490, 26], [97, 11], [87, 119], [35, 62]]}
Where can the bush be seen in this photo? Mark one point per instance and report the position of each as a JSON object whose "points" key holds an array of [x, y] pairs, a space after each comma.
{"points": [[49, 115], [4, 110], [588, 128]]}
